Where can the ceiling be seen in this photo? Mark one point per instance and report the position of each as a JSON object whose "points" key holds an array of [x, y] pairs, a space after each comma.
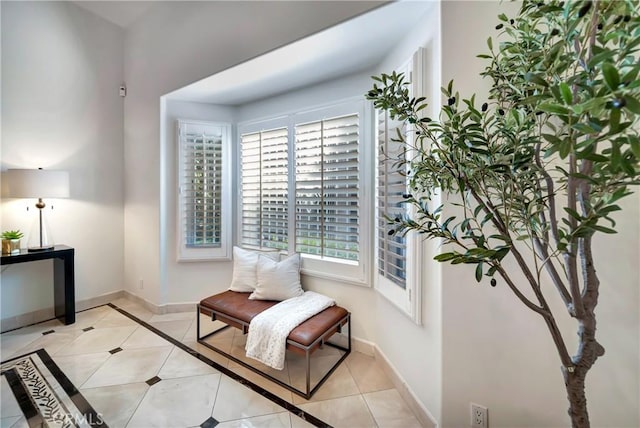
{"points": [[354, 46], [120, 12]]}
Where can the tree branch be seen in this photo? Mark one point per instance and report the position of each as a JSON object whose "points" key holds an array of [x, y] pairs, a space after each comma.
{"points": [[570, 259], [502, 228], [519, 294], [542, 246], [592, 283], [551, 195], [542, 249], [546, 314]]}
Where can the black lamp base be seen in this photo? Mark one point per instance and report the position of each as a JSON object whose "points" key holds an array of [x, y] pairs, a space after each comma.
{"points": [[36, 249]]}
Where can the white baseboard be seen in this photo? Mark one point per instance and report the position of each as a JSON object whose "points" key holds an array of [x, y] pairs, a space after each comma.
{"points": [[170, 308], [151, 307], [167, 308], [422, 413], [371, 349], [103, 299], [41, 315], [22, 320], [363, 346]]}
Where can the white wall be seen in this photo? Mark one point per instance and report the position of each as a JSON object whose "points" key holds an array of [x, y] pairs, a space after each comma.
{"points": [[175, 44], [495, 351], [188, 281], [61, 69], [416, 350]]}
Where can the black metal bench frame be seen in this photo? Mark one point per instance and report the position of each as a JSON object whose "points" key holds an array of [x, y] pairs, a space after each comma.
{"points": [[308, 350]]}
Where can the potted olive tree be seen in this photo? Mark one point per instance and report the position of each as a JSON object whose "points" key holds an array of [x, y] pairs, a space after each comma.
{"points": [[539, 167], [11, 241]]}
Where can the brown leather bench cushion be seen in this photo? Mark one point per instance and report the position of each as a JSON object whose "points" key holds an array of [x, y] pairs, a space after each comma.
{"points": [[317, 325], [237, 305]]}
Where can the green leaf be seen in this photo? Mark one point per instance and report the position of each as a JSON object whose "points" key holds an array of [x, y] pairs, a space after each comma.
{"points": [[535, 78], [573, 213], [552, 139], [602, 56], [611, 76], [609, 209], [479, 272], [632, 104], [502, 253], [500, 237], [564, 149], [602, 229], [490, 44], [585, 129], [614, 120], [445, 257], [635, 146], [594, 157], [632, 74], [616, 156], [567, 96], [554, 108]]}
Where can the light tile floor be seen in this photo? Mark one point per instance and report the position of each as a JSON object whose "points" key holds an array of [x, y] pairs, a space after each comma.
{"points": [[358, 393]]}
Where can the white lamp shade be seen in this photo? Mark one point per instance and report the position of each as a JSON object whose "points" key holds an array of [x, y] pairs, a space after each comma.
{"points": [[37, 183]]}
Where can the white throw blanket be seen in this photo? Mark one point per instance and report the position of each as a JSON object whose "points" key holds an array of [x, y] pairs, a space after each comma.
{"points": [[268, 331]]}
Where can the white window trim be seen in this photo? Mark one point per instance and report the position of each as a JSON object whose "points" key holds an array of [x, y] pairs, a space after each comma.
{"points": [[344, 272], [409, 299], [222, 253]]}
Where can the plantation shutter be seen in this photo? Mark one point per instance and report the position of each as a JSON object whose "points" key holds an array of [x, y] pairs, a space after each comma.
{"points": [[327, 188], [264, 183], [201, 184], [392, 184]]}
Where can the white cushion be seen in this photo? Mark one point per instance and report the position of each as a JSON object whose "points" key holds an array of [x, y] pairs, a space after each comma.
{"points": [[245, 263], [278, 280]]}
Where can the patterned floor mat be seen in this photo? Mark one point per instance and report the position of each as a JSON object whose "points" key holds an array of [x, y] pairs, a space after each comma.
{"points": [[38, 394]]}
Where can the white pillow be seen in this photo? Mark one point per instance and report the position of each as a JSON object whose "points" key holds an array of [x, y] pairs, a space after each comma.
{"points": [[278, 280], [245, 263]]}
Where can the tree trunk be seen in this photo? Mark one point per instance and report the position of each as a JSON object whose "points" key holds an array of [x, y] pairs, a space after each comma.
{"points": [[575, 383]]}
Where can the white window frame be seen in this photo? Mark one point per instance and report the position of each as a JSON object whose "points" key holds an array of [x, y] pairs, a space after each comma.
{"points": [[409, 299], [223, 252], [334, 269]]}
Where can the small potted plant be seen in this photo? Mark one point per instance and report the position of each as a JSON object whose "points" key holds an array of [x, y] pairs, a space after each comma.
{"points": [[11, 241]]}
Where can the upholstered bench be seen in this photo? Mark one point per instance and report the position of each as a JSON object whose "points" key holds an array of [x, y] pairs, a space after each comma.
{"points": [[235, 309]]}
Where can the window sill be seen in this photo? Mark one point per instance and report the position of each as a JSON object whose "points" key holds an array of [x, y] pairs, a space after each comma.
{"points": [[333, 277]]}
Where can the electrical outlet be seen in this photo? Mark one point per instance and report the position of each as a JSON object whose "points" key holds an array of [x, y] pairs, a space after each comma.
{"points": [[141, 284], [479, 416]]}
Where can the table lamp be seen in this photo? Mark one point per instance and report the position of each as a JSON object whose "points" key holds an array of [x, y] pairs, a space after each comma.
{"points": [[37, 183]]}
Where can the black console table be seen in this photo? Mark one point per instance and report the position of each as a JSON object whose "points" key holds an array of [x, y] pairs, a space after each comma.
{"points": [[63, 277]]}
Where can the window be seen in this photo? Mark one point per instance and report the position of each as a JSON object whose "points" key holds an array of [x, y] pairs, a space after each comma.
{"points": [[203, 190], [391, 185], [302, 188], [398, 257], [327, 188], [265, 189]]}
